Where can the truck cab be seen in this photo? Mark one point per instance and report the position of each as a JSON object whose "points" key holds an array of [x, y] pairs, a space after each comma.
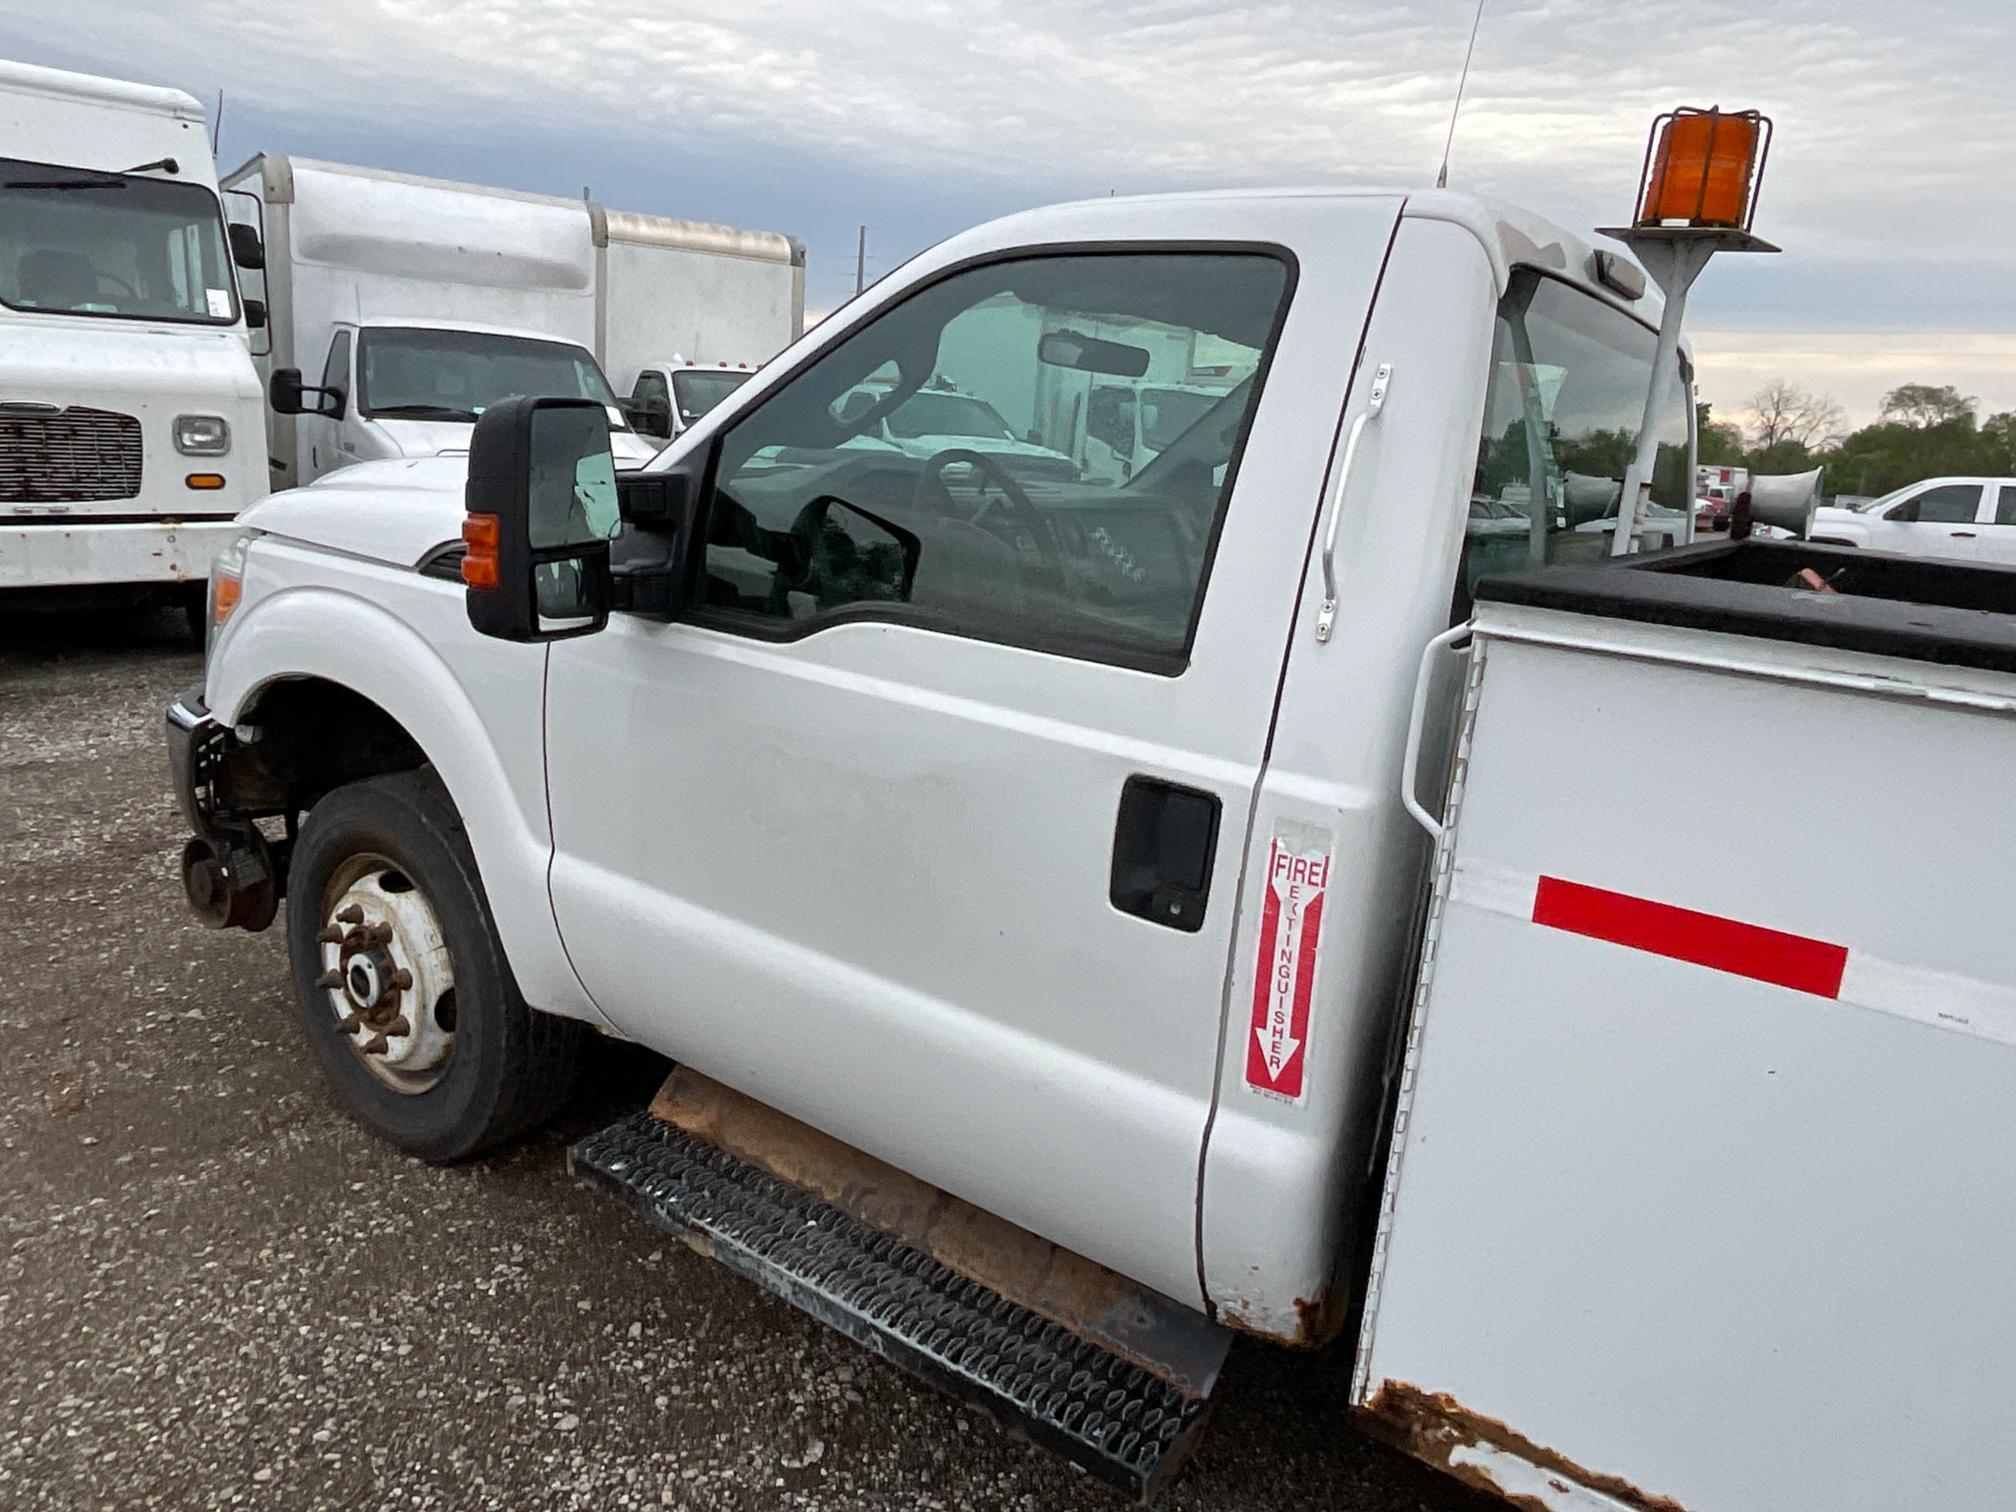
{"points": [[1038, 839], [399, 388], [668, 397], [130, 418], [1129, 424]]}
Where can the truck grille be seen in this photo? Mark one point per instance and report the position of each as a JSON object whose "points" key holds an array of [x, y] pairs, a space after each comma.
{"points": [[71, 456]]}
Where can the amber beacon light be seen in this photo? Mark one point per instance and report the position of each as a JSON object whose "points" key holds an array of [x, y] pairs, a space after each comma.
{"points": [[1702, 168]]}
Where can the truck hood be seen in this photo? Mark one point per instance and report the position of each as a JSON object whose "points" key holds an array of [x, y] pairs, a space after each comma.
{"points": [[991, 446], [394, 512], [95, 361], [416, 439]]}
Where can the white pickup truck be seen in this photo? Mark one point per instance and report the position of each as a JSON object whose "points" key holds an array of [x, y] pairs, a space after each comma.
{"points": [[1092, 918]]}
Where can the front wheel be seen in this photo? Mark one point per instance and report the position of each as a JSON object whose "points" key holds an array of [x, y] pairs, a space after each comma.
{"points": [[402, 984]]}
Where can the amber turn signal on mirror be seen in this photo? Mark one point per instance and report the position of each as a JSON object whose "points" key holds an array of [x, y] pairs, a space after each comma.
{"points": [[479, 560]]}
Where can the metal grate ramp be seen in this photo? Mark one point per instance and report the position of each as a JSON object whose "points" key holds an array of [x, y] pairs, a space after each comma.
{"points": [[1107, 1414]]}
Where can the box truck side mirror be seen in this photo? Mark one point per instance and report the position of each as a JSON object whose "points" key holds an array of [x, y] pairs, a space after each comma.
{"points": [[287, 392], [246, 249], [255, 314]]}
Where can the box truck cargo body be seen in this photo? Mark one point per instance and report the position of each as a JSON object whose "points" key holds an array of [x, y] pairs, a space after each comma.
{"points": [[500, 281]]}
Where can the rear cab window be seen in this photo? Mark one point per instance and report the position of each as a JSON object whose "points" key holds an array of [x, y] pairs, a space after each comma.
{"points": [[1569, 375]]}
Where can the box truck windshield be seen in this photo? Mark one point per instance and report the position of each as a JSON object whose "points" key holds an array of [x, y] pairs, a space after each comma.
{"points": [[418, 374], [82, 242]]}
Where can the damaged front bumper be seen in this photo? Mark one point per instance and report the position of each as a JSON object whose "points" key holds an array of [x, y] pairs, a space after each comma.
{"points": [[229, 872]]}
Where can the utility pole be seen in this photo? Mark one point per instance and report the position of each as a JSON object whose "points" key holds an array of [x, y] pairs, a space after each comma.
{"points": [[861, 261]]}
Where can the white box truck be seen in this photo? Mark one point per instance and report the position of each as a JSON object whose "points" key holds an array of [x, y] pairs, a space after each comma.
{"points": [[130, 415], [402, 307]]}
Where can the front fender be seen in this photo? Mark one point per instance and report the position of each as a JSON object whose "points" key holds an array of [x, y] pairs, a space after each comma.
{"points": [[478, 717]]}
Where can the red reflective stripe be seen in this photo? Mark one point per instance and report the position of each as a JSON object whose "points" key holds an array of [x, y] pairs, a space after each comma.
{"points": [[1766, 955]]}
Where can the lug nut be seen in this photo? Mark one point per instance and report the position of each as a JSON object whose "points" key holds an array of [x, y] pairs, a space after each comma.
{"points": [[399, 1026], [379, 934], [348, 1023], [402, 979], [330, 935], [376, 1045], [354, 914], [330, 978]]}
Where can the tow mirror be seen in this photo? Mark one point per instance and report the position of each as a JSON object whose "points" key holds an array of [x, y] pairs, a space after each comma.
{"points": [[542, 510], [286, 391], [1091, 354], [246, 249]]}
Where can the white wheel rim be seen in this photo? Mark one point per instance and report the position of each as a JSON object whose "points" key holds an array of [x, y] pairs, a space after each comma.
{"points": [[387, 978]]}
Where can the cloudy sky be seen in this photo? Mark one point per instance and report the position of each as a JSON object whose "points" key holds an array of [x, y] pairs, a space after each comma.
{"points": [[1891, 187]]}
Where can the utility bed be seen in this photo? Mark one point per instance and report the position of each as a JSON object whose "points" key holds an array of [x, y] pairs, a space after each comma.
{"points": [[1701, 1192]]}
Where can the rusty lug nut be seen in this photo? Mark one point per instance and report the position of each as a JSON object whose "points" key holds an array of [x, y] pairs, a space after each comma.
{"points": [[348, 1023], [402, 979], [330, 978], [354, 914], [330, 935], [379, 934], [399, 1026], [376, 1045]]}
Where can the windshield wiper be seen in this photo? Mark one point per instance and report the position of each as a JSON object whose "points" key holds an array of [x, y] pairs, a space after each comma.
{"points": [[422, 412]]}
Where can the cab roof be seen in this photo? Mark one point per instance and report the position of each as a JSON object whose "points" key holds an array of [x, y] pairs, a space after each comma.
{"points": [[1511, 236], [91, 89]]}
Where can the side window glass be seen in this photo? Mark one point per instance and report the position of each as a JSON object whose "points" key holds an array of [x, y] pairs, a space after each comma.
{"points": [[1948, 504], [926, 469], [336, 371], [2005, 505]]}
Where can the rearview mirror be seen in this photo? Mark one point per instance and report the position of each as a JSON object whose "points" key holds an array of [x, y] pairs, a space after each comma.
{"points": [[255, 314], [246, 250], [542, 509], [287, 391], [1091, 354]]}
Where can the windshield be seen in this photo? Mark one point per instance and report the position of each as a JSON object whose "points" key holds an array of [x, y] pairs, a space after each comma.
{"points": [[414, 374], [698, 391], [1167, 413], [926, 413], [80, 242]]}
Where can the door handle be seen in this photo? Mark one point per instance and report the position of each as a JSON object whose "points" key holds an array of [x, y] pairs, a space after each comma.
{"points": [[1963, 535], [1163, 845]]}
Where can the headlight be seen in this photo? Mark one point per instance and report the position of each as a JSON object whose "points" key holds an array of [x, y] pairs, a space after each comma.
{"points": [[227, 585], [202, 435]]}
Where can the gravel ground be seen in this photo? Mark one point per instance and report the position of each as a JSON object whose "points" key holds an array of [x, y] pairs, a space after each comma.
{"points": [[214, 1290]]}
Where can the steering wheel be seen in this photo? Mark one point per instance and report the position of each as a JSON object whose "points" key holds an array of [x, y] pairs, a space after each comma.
{"points": [[932, 491]]}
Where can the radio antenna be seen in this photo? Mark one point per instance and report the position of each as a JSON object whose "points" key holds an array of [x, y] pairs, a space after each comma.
{"points": [[217, 124], [1442, 174]]}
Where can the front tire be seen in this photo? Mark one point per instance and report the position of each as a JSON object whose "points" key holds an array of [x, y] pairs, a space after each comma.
{"points": [[401, 982]]}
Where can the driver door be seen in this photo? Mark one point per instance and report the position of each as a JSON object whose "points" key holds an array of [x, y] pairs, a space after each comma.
{"points": [[320, 443], [927, 827]]}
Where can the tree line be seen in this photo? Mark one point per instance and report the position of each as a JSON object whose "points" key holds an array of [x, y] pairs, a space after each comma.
{"points": [[1924, 431]]}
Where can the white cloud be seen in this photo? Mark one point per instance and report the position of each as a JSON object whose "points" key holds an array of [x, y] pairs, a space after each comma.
{"points": [[1894, 120]]}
